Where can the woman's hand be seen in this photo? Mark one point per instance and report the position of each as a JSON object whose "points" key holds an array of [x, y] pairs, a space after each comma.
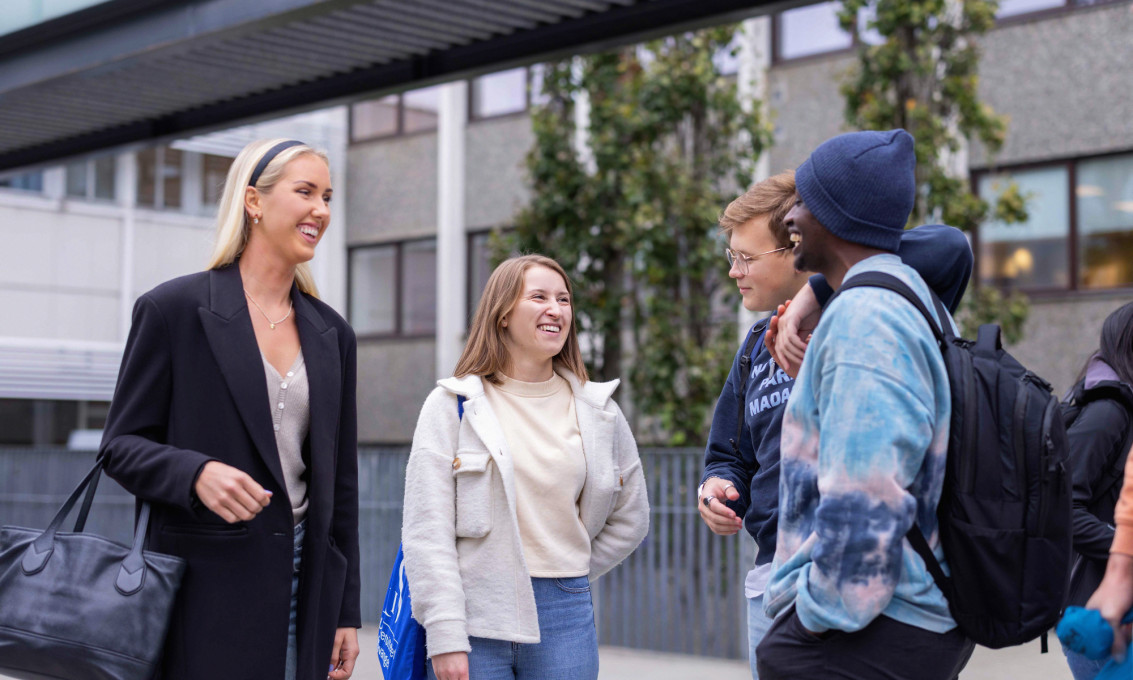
{"points": [[1114, 597], [230, 492], [451, 666], [344, 654]]}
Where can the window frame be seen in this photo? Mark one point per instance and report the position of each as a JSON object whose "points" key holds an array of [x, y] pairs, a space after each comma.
{"points": [[777, 41], [1072, 233], [398, 290], [24, 191], [1048, 12], [399, 127], [90, 193], [527, 97]]}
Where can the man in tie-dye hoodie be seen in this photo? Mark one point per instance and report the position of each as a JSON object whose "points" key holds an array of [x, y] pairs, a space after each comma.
{"points": [[863, 443]]}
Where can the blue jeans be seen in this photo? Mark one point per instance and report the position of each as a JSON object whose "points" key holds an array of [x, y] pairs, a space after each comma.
{"points": [[757, 625], [1081, 667], [568, 642], [292, 645]]}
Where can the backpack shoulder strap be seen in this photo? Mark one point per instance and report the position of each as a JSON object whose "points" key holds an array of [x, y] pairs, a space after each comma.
{"points": [[460, 399], [754, 339], [941, 331]]}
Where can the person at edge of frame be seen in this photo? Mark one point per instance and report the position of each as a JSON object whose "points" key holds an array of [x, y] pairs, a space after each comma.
{"points": [[740, 484], [1099, 438], [234, 416], [864, 440]]}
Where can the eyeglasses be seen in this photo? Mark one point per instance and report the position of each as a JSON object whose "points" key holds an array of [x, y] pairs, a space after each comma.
{"points": [[741, 261]]}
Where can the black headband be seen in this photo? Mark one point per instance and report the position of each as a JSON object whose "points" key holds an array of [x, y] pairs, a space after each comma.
{"points": [[271, 153]]}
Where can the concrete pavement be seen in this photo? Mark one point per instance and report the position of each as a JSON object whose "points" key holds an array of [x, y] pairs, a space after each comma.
{"points": [[620, 663]]}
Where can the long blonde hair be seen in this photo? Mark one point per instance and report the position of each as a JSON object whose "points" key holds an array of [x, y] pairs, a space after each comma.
{"points": [[485, 353], [232, 223]]}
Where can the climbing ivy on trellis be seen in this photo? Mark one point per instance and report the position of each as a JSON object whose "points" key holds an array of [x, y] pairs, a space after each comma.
{"points": [[634, 220], [923, 75]]}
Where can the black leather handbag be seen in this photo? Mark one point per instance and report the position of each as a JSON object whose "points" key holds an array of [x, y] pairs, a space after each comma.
{"points": [[82, 607]]}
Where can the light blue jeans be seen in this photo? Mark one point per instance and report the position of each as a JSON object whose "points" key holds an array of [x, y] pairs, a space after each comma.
{"points": [[292, 645], [568, 642], [757, 626], [1082, 668]]}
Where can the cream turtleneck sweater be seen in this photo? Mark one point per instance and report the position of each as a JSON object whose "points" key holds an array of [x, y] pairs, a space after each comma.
{"points": [[541, 429]]}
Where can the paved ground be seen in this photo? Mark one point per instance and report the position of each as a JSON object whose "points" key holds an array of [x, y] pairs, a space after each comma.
{"points": [[619, 663]]}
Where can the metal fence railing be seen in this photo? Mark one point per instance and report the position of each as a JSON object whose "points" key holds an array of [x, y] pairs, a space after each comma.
{"points": [[681, 591]]}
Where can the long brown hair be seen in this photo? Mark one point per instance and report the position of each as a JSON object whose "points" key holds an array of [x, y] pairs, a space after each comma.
{"points": [[485, 353]]}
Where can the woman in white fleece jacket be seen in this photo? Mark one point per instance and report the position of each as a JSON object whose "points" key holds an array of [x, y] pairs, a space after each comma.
{"points": [[512, 509]]}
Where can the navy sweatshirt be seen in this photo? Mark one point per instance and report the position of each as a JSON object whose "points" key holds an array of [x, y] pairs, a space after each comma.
{"points": [[943, 258]]}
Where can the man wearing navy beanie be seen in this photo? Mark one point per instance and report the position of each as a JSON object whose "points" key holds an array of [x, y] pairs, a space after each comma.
{"points": [[864, 439]]}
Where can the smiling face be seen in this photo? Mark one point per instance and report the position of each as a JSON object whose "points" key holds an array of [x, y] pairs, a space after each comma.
{"points": [[769, 279], [537, 325], [295, 214], [811, 239]]}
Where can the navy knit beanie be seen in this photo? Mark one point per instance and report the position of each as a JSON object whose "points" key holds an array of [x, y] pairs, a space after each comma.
{"points": [[861, 186]]}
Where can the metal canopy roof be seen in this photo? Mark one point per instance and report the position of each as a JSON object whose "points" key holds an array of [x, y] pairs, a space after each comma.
{"points": [[128, 71]]}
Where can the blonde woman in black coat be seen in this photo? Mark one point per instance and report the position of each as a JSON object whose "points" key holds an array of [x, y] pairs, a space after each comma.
{"points": [[234, 416]]}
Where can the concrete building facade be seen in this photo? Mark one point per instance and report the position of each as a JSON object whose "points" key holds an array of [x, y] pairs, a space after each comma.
{"points": [[1057, 69]]}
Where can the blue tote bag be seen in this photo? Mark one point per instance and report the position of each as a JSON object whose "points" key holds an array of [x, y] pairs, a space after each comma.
{"points": [[401, 640]]}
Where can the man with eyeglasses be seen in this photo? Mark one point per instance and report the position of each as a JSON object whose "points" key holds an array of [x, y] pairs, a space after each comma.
{"points": [[740, 484]]}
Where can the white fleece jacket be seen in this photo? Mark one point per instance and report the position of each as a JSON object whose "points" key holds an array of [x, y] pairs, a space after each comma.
{"points": [[463, 555]]}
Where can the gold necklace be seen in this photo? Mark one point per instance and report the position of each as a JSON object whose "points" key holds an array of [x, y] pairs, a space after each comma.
{"points": [[290, 307]]}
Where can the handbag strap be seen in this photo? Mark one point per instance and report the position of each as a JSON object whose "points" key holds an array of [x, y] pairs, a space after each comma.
{"points": [[130, 576], [88, 499]]}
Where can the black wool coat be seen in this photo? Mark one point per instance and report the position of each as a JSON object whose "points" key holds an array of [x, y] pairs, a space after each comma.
{"points": [[192, 389]]}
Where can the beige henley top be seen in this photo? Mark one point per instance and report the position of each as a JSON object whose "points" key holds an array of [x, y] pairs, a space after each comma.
{"points": [[291, 420]]}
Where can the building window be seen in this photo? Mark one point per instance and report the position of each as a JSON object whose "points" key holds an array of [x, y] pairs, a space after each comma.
{"points": [[1104, 207], [48, 422], [1079, 231], [419, 109], [479, 268], [393, 289], [1010, 8], [28, 181], [810, 30], [498, 94], [91, 178], [214, 171], [1033, 254], [375, 118], [159, 178], [413, 111]]}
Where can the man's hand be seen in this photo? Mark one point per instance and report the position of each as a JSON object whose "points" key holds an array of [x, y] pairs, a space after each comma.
{"points": [[1114, 597], [344, 654], [230, 492], [790, 329], [451, 666], [720, 518]]}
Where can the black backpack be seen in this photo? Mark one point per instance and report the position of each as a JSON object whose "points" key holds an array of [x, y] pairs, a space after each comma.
{"points": [[1005, 509]]}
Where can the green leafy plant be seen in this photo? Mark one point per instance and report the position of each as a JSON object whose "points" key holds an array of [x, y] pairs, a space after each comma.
{"points": [[922, 75], [633, 219]]}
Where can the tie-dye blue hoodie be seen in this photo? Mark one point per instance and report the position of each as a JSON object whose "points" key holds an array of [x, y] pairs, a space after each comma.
{"points": [[863, 446]]}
